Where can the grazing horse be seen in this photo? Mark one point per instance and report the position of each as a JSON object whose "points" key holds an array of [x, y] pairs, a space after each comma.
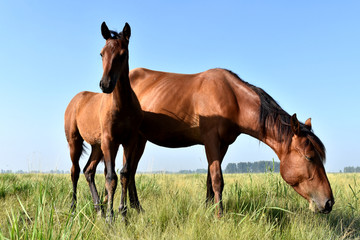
{"points": [[105, 120], [213, 108]]}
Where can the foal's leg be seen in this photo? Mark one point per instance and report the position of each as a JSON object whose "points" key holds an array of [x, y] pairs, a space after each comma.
{"points": [[76, 149], [124, 179], [110, 149], [90, 170]]}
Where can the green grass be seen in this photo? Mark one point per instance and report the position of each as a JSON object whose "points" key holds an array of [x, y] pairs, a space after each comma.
{"points": [[257, 206]]}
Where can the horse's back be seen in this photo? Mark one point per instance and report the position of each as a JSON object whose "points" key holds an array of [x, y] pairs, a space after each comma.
{"points": [[179, 105], [82, 105], [77, 101], [206, 93]]}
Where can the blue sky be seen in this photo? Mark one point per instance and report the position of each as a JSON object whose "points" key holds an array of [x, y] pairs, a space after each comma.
{"points": [[305, 54]]}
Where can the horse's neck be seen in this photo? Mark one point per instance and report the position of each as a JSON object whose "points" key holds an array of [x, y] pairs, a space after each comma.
{"points": [[273, 142], [122, 93], [250, 125], [270, 138]]}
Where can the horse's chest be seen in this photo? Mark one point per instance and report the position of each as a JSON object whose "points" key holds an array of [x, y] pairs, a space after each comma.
{"points": [[124, 125]]}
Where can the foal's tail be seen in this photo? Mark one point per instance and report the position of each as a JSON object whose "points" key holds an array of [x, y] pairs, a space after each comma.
{"points": [[84, 149]]}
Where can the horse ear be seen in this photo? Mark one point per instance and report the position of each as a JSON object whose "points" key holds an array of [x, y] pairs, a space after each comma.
{"points": [[105, 31], [295, 125], [126, 31], [308, 123]]}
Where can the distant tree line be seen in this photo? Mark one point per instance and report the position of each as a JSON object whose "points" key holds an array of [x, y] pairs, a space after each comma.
{"points": [[351, 169], [241, 167], [34, 171], [253, 167], [191, 171]]}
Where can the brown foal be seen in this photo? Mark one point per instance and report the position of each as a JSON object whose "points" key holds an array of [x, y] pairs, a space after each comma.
{"points": [[105, 120]]}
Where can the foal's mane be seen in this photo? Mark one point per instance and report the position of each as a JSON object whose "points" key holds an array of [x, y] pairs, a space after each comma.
{"points": [[115, 35], [272, 116]]}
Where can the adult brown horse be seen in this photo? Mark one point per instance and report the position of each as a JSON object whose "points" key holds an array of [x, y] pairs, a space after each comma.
{"points": [[213, 108], [105, 120]]}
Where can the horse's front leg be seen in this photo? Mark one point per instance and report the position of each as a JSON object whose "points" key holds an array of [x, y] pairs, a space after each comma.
{"points": [[110, 149], [124, 179], [209, 190], [215, 152], [210, 195]]}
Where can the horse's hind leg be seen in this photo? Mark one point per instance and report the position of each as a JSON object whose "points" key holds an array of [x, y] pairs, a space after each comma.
{"points": [[133, 197], [89, 171], [132, 153], [76, 148], [105, 191]]}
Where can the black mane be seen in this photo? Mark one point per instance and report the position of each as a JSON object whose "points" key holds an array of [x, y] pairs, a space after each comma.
{"points": [[115, 35], [272, 116]]}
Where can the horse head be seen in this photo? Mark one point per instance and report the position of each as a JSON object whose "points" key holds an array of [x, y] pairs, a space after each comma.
{"points": [[302, 167], [115, 56]]}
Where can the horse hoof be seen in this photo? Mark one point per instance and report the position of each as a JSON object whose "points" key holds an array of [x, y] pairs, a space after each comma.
{"points": [[72, 208], [100, 214], [140, 210], [123, 210], [109, 220], [110, 217]]}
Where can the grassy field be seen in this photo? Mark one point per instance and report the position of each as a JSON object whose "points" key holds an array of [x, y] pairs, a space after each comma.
{"points": [[257, 206]]}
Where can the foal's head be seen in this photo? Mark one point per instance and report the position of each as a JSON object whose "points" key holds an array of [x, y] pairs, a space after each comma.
{"points": [[115, 56], [302, 167]]}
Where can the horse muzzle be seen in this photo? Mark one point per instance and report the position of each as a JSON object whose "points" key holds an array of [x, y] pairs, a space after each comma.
{"points": [[328, 206], [322, 208], [107, 85]]}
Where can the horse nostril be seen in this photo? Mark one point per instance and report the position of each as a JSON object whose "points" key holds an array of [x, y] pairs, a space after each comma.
{"points": [[328, 205], [102, 85]]}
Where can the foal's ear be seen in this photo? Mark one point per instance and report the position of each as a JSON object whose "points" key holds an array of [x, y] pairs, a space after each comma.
{"points": [[105, 31], [126, 31], [295, 125], [308, 123]]}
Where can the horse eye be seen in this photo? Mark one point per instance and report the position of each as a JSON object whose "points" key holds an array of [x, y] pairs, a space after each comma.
{"points": [[101, 55], [308, 158]]}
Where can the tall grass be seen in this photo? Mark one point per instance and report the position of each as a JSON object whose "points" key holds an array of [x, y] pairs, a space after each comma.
{"points": [[256, 206]]}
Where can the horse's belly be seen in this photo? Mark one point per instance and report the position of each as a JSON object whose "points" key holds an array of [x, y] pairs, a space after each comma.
{"points": [[173, 139], [169, 132]]}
